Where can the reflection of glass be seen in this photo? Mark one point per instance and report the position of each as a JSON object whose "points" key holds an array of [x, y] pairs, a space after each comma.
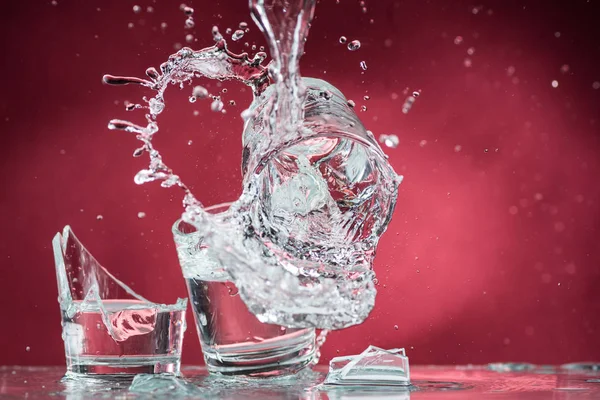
{"points": [[233, 340], [107, 327]]}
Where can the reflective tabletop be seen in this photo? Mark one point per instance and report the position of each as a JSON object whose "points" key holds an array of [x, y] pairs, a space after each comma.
{"points": [[498, 381]]}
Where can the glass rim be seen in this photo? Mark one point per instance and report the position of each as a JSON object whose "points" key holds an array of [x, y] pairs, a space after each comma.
{"points": [[175, 229]]}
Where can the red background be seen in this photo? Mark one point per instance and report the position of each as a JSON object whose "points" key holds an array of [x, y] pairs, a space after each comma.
{"points": [[492, 254]]}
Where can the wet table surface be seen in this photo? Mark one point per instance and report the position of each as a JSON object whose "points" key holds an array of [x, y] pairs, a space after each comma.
{"points": [[429, 382]]}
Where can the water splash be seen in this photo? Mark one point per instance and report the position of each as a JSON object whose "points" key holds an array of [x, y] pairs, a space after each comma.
{"points": [[318, 191]]}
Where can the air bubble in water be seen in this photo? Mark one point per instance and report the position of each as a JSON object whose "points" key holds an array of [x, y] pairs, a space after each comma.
{"points": [[596, 85], [351, 103], [189, 38], [565, 68], [228, 31], [363, 108], [468, 62], [457, 148], [390, 141], [458, 40], [137, 9], [141, 215], [416, 93], [163, 25], [354, 45], [217, 105], [189, 23], [190, 142], [471, 51], [200, 92], [396, 327], [188, 10], [363, 65], [99, 217], [555, 83], [423, 143], [243, 25], [237, 35], [27, 348], [192, 99], [367, 98], [149, 9], [343, 39], [130, 25]]}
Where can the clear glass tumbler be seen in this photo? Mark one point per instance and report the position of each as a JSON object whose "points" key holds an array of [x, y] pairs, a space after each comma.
{"points": [[108, 329], [233, 340]]}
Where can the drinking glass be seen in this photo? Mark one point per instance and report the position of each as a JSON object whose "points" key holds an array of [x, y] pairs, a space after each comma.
{"points": [[107, 328], [233, 340]]}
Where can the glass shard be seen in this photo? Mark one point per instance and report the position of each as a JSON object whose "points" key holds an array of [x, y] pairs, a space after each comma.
{"points": [[373, 367]]}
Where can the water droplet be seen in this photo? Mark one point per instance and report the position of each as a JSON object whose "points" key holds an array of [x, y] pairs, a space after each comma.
{"points": [[200, 92], [216, 34], [217, 105], [237, 35], [99, 217], [138, 152], [152, 73], [343, 39], [232, 289], [141, 215], [354, 45], [555, 83], [390, 141], [137, 9], [363, 65], [458, 40]]}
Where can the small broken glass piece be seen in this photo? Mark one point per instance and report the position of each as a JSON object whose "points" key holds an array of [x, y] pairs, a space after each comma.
{"points": [[373, 367], [164, 384]]}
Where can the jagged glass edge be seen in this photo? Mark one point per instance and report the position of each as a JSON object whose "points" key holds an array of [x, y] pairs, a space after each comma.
{"points": [[64, 293]]}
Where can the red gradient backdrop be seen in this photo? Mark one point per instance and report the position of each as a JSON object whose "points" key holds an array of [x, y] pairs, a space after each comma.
{"points": [[492, 254]]}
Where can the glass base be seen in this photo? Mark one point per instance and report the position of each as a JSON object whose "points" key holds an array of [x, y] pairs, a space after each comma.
{"points": [[78, 366], [274, 357]]}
